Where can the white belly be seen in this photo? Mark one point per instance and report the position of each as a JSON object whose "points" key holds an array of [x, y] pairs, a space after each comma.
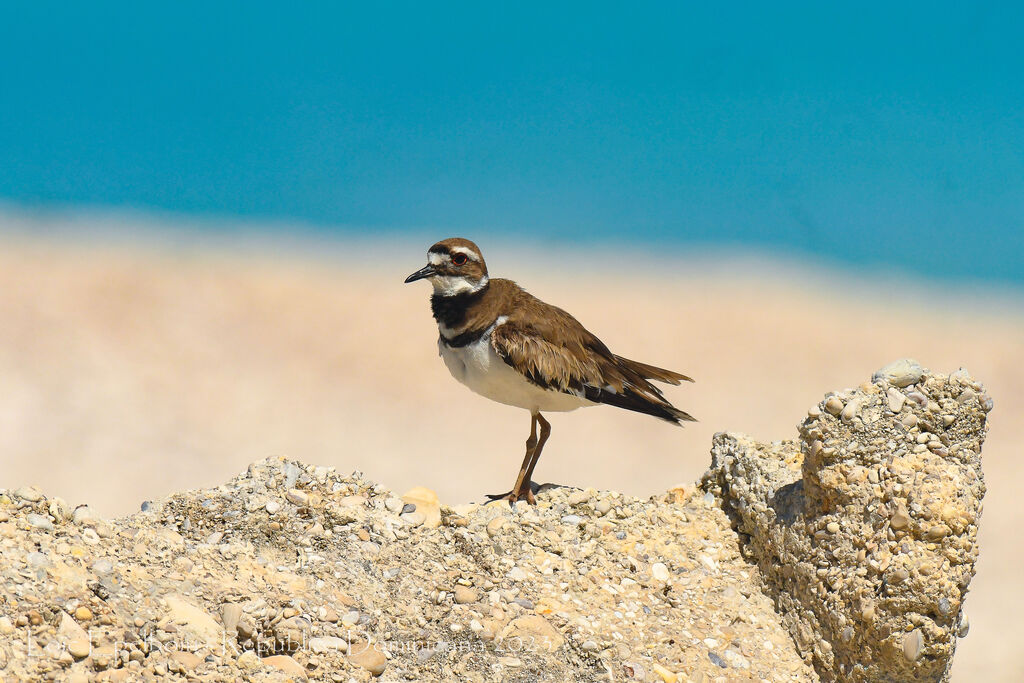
{"points": [[481, 369]]}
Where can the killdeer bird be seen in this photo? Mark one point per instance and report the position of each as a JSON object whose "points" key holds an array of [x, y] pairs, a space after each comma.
{"points": [[513, 348]]}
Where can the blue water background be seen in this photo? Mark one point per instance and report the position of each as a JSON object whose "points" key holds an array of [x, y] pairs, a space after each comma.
{"points": [[885, 135]]}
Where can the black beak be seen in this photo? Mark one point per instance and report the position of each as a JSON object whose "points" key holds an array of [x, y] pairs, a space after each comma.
{"points": [[425, 271]]}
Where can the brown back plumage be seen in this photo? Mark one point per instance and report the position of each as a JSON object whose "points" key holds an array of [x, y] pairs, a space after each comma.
{"points": [[553, 350]]}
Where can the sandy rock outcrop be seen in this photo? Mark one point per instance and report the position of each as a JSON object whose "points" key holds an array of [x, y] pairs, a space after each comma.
{"points": [[854, 550], [866, 527]]}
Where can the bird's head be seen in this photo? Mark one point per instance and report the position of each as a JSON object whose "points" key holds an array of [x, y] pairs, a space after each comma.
{"points": [[454, 266]]}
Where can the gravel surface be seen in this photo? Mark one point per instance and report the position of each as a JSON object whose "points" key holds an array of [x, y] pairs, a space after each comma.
{"points": [[290, 571]]}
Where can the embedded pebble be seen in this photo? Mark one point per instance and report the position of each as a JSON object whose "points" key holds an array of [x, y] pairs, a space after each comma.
{"points": [[83, 514], [913, 643], [465, 595], [494, 526], [249, 661], [32, 494], [895, 399], [296, 497], [900, 373], [369, 658], [918, 398], [230, 615], [964, 627], [850, 411], [735, 659], [414, 518], [717, 660], [899, 520], [578, 497], [834, 406], [39, 522], [326, 644], [282, 663], [37, 560], [426, 503], [660, 571], [664, 674], [79, 649], [291, 474], [59, 510]]}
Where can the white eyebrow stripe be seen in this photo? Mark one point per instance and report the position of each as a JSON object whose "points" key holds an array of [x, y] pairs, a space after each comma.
{"points": [[467, 251]]}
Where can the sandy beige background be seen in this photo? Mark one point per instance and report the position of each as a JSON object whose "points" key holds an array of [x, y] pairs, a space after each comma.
{"points": [[127, 372]]}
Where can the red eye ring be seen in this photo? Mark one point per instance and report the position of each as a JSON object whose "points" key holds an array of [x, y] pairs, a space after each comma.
{"points": [[459, 259]]}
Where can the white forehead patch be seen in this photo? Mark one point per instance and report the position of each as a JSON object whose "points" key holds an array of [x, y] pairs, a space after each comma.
{"points": [[434, 259]]}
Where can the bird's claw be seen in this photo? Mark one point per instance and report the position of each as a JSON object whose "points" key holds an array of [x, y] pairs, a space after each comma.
{"points": [[514, 496]]}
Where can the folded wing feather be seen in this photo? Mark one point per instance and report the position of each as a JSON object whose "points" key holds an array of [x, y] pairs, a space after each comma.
{"points": [[554, 351]]}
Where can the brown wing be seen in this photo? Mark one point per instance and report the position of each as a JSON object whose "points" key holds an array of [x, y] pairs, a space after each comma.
{"points": [[554, 351]]}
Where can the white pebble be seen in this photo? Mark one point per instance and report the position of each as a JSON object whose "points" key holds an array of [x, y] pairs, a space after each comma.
{"points": [[896, 399], [517, 574], [833, 405], [900, 373], [913, 643]]}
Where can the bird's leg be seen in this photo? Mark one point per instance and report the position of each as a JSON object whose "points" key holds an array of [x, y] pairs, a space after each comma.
{"points": [[524, 470], [545, 432]]}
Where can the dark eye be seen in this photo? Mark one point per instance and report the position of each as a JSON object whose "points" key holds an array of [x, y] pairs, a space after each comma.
{"points": [[459, 259]]}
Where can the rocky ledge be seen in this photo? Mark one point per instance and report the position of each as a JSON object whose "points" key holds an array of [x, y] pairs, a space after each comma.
{"points": [[865, 529], [854, 549]]}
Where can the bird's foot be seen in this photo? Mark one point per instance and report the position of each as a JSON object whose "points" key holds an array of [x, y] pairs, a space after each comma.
{"points": [[525, 493]]}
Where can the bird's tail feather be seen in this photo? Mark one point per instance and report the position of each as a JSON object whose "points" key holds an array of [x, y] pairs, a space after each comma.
{"points": [[651, 372], [640, 403]]}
